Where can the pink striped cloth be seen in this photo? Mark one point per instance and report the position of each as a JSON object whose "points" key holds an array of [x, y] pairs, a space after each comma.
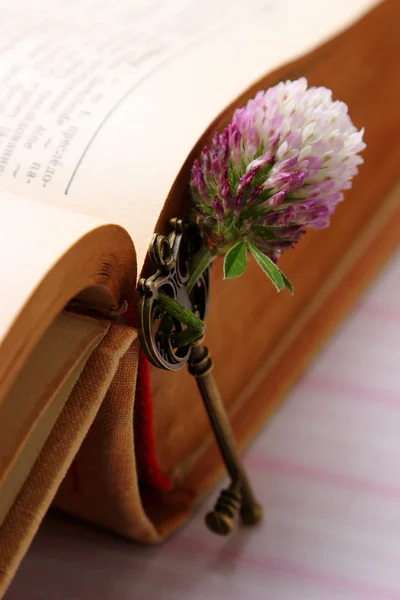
{"points": [[327, 469]]}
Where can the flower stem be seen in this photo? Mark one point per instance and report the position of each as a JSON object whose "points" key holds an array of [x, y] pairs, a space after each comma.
{"points": [[194, 326], [200, 263]]}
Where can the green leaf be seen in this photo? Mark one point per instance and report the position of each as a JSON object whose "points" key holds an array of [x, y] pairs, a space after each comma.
{"points": [[269, 268], [235, 262], [288, 283]]}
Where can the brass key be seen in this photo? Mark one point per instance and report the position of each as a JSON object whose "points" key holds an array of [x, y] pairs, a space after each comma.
{"points": [[171, 343]]}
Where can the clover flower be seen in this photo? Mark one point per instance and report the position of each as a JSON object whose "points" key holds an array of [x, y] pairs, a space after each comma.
{"points": [[279, 167]]}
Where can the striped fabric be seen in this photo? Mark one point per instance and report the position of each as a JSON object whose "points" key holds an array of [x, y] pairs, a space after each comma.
{"points": [[327, 468]]}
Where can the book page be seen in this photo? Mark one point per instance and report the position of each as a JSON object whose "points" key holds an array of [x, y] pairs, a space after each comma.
{"points": [[33, 238], [33, 404], [101, 101], [49, 256]]}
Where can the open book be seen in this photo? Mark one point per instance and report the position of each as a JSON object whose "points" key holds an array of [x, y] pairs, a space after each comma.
{"points": [[103, 106]]}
